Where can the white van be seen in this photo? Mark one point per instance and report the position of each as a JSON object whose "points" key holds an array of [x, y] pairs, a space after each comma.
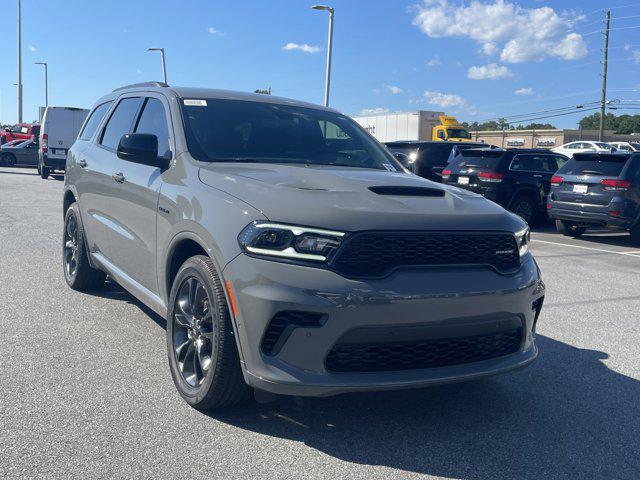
{"points": [[60, 127]]}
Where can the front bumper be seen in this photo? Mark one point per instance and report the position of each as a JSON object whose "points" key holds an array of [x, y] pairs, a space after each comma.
{"points": [[418, 298]]}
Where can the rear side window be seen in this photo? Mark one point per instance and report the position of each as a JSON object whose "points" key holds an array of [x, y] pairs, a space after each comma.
{"points": [[603, 165], [484, 159], [95, 118], [154, 120], [534, 163], [120, 123]]}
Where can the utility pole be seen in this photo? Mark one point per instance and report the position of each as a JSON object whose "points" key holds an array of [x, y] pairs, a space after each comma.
{"points": [[603, 101], [19, 62]]}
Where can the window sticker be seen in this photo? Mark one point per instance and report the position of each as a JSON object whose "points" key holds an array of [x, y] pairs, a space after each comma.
{"points": [[195, 103]]}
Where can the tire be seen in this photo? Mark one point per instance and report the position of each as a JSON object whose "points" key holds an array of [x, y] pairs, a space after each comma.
{"points": [[635, 235], [203, 357], [8, 160], [525, 208], [44, 172], [569, 229], [78, 273]]}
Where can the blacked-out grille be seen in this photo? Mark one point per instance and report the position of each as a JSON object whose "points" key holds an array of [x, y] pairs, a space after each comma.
{"points": [[375, 254], [381, 357], [281, 326]]}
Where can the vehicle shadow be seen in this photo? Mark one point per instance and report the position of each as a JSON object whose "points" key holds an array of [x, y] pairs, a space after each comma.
{"points": [[596, 235], [566, 416], [8, 171]]}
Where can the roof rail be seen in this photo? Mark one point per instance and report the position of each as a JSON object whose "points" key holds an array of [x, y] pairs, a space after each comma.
{"points": [[143, 84]]}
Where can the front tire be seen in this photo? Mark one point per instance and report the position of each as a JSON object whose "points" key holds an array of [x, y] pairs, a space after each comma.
{"points": [[569, 229], [78, 273], [203, 357]]}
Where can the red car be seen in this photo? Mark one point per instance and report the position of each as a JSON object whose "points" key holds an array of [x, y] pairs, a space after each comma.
{"points": [[20, 131]]}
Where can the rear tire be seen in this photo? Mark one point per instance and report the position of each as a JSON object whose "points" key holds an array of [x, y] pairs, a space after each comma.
{"points": [[569, 229], [78, 273], [525, 208], [635, 235], [44, 172], [8, 160], [203, 357]]}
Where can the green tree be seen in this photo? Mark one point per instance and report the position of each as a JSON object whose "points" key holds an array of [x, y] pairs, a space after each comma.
{"points": [[266, 91]]}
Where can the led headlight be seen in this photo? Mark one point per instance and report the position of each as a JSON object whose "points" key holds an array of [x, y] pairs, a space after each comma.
{"points": [[289, 241], [523, 238]]}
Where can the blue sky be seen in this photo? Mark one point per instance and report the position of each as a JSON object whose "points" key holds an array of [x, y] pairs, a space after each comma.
{"points": [[478, 60]]}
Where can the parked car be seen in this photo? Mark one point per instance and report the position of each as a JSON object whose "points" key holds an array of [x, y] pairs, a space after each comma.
{"points": [[597, 189], [60, 127], [626, 146], [19, 153], [427, 159], [569, 149], [20, 131], [289, 251], [516, 178]]}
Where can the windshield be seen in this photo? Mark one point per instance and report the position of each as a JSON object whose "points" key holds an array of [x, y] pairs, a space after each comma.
{"points": [[244, 131], [635, 145], [458, 133]]}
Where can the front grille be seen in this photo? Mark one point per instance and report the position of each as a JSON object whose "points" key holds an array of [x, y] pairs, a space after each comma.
{"points": [[283, 323], [382, 357], [375, 254]]}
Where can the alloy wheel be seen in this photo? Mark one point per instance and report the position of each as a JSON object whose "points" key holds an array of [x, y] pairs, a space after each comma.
{"points": [[193, 331], [525, 211], [71, 254]]}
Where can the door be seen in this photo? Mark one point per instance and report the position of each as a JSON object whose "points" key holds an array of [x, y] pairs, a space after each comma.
{"points": [[137, 198], [99, 190]]}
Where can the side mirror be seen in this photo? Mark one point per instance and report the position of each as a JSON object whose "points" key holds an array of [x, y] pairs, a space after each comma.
{"points": [[141, 148], [403, 159]]}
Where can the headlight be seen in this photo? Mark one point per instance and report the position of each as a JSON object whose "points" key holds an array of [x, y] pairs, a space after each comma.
{"points": [[523, 238], [289, 241]]}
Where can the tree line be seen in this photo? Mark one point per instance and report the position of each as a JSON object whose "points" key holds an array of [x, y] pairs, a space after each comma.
{"points": [[623, 124]]}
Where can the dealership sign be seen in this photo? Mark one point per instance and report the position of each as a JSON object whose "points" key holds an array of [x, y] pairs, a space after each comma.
{"points": [[515, 142], [546, 142]]}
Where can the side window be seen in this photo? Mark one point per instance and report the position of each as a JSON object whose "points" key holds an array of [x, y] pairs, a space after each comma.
{"points": [[154, 120], [561, 161], [548, 163], [95, 118], [120, 122], [521, 163]]}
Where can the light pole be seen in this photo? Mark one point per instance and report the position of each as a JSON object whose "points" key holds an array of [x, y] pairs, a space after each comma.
{"points": [[46, 83], [19, 62], [164, 64], [329, 47]]}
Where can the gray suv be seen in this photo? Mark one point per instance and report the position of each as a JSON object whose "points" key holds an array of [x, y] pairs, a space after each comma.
{"points": [[289, 251]]}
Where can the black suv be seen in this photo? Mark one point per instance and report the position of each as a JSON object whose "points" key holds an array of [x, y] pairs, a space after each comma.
{"points": [[427, 159], [518, 179], [597, 189]]}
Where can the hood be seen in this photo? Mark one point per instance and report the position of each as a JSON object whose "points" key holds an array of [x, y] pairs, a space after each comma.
{"points": [[354, 199]]}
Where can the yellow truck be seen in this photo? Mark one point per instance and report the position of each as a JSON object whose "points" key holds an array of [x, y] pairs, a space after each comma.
{"points": [[414, 126]]}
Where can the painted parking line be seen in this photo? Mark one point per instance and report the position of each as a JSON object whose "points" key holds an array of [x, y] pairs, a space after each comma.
{"points": [[633, 253]]}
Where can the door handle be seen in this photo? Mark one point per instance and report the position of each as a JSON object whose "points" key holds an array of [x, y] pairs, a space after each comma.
{"points": [[82, 163], [118, 177]]}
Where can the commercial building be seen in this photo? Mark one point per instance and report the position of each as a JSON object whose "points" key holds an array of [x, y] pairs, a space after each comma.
{"points": [[545, 138]]}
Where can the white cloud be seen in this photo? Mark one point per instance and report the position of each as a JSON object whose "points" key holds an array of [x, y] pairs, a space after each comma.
{"points": [[443, 99], [519, 34], [627, 47], [303, 47], [491, 71], [213, 31], [374, 111], [434, 62], [138, 71], [393, 89], [524, 91], [636, 56], [32, 48]]}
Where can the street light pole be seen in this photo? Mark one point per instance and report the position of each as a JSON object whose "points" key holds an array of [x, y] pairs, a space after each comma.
{"points": [[164, 62], [329, 51], [19, 61], [46, 83]]}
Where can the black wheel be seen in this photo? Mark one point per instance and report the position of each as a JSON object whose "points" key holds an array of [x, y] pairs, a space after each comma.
{"points": [[203, 357], [44, 171], [525, 208], [78, 274], [8, 160], [635, 235], [569, 229]]}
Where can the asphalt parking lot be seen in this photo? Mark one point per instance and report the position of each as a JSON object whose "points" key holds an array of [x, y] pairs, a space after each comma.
{"points": [[85, 389]]}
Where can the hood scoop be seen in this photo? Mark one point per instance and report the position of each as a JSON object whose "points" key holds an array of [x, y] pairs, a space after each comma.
{"points": [[404, 191]]}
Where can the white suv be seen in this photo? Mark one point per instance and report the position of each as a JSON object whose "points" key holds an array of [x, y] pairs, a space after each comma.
{"points": [[569, 149]]}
